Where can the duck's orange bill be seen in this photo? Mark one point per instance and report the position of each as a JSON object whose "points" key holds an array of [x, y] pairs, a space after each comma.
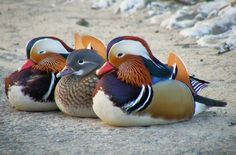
{"points": [[28, 63], [106, 67]]}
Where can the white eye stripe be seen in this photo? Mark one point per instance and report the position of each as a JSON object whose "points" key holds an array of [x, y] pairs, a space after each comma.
{"points": [[80, 72], [49, 44], [129, 47], [86, 62]]}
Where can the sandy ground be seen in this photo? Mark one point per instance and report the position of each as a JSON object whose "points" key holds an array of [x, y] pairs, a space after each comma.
{"points": [[213, 132]]}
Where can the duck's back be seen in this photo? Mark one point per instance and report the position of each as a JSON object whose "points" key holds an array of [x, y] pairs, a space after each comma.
{"points": [[73, 95]]}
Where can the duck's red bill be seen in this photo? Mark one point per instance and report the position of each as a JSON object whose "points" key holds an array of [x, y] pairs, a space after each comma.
{"points": [[105, 68], [28, 63]]}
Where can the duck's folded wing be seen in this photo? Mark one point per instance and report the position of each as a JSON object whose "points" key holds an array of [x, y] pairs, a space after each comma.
{"points": [[158, 70]]}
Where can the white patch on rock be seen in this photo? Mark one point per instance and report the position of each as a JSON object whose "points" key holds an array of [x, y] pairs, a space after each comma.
{"points": [[225, 39], [210, 22], [102, 4], [188, 16], [216, 25], [130, 6], [206, 21]]}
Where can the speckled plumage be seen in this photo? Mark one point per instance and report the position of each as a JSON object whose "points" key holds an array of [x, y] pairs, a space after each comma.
{"points": [[73, 94]]}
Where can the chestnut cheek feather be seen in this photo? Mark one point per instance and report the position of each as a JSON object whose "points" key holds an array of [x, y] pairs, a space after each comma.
{"points": [[134, 72], [53, 63]]}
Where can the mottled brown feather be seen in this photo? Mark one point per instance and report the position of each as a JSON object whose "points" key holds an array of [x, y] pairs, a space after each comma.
{"points": [[76, 91]]}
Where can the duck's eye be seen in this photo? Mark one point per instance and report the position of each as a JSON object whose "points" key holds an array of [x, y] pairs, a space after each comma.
{"points": [[42, 52], [120, 54], [80, 61]]}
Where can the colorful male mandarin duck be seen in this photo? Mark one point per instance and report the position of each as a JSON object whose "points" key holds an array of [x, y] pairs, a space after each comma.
{"points": [[73, 94], [31, 87], [136, 89]]}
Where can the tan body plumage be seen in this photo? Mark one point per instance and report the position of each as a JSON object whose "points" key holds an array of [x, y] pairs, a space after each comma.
{"points": [[73, 95]]}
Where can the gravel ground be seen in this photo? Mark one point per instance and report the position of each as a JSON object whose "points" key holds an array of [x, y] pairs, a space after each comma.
{"points": [[212, 132]]}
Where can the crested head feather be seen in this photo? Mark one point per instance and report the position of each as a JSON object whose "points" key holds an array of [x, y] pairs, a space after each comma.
{"points": [[31, 43], [146, 51], [131, 45], [34, 41], [49, 53]]}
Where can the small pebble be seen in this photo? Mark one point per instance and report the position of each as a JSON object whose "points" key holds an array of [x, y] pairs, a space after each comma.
{"points": [[186, 46], [232, 124], [83, 22]]}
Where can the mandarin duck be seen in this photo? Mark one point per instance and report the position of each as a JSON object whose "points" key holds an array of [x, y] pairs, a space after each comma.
{"points": [[136, 89], [73, 93], [31, 87]]}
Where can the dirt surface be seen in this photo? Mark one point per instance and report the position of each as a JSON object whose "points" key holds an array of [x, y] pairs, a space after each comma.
{"points": [[212, 132]]}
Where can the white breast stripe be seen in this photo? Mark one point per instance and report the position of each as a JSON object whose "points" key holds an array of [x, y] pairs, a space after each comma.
{"points": [[137, 105], [174, 71], [133, 103], [46, 95], [149, 94]]}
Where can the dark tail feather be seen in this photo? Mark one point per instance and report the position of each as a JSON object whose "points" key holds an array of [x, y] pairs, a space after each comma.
{"points": [[209, 102], [202, 81]]}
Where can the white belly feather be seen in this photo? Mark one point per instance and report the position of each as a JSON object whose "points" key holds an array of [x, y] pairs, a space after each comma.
{"points": [[23, 102]]}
